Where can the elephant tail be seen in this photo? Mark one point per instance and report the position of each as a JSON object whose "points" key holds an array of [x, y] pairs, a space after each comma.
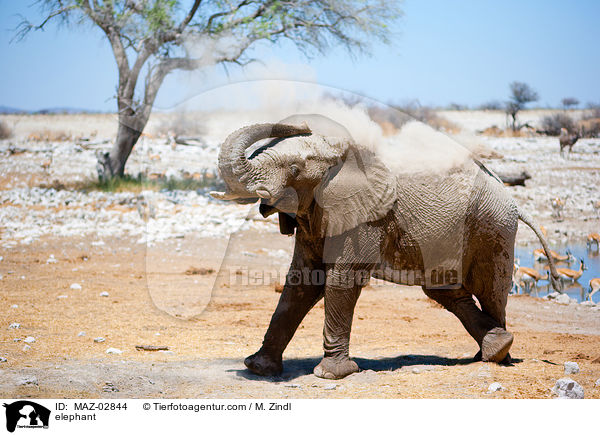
{"points": [[557, 284]]}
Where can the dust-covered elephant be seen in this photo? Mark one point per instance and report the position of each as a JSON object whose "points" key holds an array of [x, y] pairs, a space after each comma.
{"points": [[356, 214]]}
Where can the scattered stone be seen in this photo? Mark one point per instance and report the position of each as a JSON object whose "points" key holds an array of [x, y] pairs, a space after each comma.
{"points": [[104, 294], [26, 348], [293, 386], [167, 352], [587, 304], [16, 340], [14, 325], [597, 384], [99, 339], [553, 295], [98, 243], [114, 351], [51, 259], [571, 368], [567, 388], [62, 297], [2, 359], [81, 334], [14, 306], [563, 299], [27, 380], [496, 386], [75, 286], [329, 386], [416, 370], [109, 388], [29, 340]]}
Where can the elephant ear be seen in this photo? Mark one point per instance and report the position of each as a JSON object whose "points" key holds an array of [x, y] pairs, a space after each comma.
{"points": [[358, 189]]}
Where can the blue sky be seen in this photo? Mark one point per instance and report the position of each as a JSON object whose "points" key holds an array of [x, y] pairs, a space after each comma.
{"points": [[444, 52]]}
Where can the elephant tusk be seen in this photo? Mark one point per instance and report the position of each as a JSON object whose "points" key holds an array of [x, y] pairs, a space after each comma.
{"points": [[263, 193], [223, 195]]}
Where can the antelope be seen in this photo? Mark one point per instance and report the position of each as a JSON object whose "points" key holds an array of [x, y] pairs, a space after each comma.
{"points": [[567, 140], [594, 287], [570, 274], [540, 255], [593, 238], [557, 206], [527, 275]]}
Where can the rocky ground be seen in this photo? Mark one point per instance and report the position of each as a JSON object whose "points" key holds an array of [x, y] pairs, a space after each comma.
{"points": [[138, 268]]}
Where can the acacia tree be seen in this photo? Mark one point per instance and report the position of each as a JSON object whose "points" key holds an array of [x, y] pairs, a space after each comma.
{"points": [[520, 94], [151, 38]]}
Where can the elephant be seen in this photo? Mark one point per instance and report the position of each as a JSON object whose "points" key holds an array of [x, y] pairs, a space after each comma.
{"points": [[452, 232]]}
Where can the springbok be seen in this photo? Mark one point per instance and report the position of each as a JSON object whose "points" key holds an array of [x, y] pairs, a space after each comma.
{"points": [[594, 287], [570, 274], [527, 275], [557, 206], [591, 239], [540, 255]]}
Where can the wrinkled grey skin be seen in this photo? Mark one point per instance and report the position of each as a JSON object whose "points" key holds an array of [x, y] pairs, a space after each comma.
{"points": [[354, 219]]}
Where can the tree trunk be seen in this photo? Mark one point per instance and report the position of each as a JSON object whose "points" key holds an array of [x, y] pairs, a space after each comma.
{"points": [[112, 164]]}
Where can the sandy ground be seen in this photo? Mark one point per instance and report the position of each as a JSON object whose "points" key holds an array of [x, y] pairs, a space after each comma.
{"points": [[406, 345]]}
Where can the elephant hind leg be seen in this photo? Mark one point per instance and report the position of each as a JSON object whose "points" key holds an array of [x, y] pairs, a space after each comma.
{"points": [[494, 341]]}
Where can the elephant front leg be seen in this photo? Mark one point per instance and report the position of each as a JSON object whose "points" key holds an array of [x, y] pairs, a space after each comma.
{"points": [[295, 302], [339, 310]]}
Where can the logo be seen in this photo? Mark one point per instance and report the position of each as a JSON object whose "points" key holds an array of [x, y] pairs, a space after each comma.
{"points": [[26, 414]]}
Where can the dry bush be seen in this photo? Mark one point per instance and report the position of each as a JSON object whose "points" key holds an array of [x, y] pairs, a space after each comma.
{"points": [[590, 123], [428, 116], [5, 131], [49, 136], [491, 105], [552, 124]]}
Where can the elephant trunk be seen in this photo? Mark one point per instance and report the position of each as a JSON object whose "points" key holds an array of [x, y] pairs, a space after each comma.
{"points": [[234, 166]]}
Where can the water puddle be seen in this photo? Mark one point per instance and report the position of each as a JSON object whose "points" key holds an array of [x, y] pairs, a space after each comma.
{"points": [[579, 290]]}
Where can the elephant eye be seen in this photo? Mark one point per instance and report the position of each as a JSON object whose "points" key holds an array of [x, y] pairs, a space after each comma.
{"points": [[295, 170]]}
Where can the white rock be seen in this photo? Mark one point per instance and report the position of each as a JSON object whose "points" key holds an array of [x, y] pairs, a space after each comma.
{"points": [[587, 303], [26, 348], [51, 259], [75, 286], [62, 297], [597, 384], [29, 340], [571, 368], [27, 380], [329, 386], [98, 243], [104, 294], [563, 299], [114, 350], [2, 359], [14, 306], [14, 325], [553, 295], [567, 388], [99, 339], [496, 386]]}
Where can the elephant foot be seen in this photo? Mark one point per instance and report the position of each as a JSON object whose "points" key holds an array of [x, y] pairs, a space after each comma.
{"points": [[332, 368], [263, 364], [507, 361], [495, 345]]}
